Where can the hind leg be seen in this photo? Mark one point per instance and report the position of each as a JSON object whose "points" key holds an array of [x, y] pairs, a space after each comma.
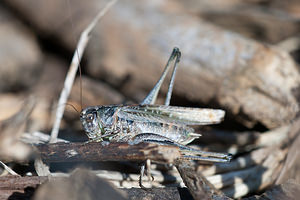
{"points": [[187, 152], [145, 169], [152, 96]]}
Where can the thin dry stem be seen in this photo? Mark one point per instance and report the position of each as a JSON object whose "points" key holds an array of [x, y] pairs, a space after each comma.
{"points": [[41, 168], [38, 138], [81, 45], [8, 169]]}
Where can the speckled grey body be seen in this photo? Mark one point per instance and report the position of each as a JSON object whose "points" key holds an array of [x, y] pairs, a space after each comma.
{"points": [[123, 123], [147, 122]]}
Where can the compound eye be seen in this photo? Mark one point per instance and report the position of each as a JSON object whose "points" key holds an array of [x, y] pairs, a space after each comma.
{"points": [[90, 117]]}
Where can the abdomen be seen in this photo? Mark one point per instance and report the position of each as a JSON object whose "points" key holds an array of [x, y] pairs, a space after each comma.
{"points": [[174, 132], [128, 129]]}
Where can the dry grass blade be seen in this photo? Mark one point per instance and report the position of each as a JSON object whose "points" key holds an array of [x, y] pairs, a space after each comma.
{"points": [[38, 138], [81, 45], [41, 168]]}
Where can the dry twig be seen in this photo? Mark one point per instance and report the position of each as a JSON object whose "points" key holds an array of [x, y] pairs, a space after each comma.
{"points": [[84, 38]]}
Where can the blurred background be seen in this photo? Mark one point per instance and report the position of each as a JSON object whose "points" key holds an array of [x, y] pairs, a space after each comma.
{"points": [[240, 56]]}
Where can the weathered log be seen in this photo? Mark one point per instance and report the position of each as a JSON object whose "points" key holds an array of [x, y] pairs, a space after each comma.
{"points": [[96, 151], [254, 81]]}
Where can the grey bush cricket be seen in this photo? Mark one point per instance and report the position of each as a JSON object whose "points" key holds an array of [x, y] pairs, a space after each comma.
{"points": [[147, 122]]}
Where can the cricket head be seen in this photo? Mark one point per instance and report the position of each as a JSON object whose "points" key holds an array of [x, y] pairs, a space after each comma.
{"points": [[91, 123], [97, 121]]}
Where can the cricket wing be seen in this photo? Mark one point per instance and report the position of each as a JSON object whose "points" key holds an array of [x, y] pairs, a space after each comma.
{"points": [[172, 114]]}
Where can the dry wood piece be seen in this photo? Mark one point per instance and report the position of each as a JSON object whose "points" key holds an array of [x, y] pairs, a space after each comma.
{"points": [[95, 151], [288, 190], [197, 184], [171, 193], [19, 183], [16, 187]]}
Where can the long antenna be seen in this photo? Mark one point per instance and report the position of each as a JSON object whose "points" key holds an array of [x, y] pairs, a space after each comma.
{"points": [[80, 85], [84, 38], [79, 65]]}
